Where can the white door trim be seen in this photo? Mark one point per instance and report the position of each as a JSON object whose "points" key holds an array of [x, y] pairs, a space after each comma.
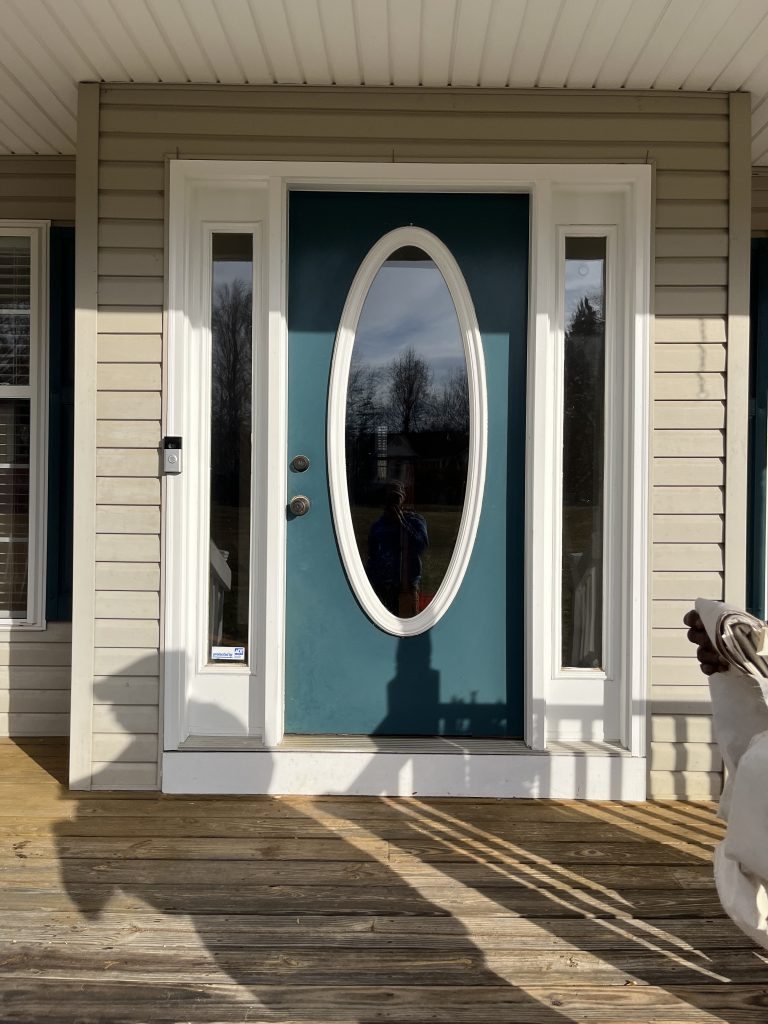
{"points": [[547, 185]]}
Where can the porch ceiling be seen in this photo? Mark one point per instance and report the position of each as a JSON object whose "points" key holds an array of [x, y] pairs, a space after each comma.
{"points": [[47, 46]]}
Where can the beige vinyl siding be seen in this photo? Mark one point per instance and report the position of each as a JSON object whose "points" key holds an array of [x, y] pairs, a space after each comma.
{"points": [[35, 665], [684, 136], [37, 188]]}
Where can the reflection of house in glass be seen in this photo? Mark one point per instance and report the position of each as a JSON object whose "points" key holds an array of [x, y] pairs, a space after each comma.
{"points": [[432, 467]]}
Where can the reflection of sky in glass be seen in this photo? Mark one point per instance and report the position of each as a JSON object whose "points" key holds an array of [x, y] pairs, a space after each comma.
{"points": [[583, 279], [229, 271], [409, 306]]}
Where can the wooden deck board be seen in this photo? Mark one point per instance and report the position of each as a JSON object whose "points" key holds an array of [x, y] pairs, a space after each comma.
{"points": [[129, 908]]}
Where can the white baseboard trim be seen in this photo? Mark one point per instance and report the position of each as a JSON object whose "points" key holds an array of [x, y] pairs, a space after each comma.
{"points": [[555, 775]]}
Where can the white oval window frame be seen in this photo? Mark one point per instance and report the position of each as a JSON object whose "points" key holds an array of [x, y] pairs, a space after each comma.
{"points": [[478, 431]]}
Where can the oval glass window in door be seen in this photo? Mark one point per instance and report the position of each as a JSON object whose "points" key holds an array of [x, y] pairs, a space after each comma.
{"points": [[408, 381]]}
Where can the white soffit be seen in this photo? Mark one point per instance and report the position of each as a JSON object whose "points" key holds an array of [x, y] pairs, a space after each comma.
{"points": [[47, 46]]}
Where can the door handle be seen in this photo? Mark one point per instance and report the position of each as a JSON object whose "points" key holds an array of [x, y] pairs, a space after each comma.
{"points": [[299, 505]]}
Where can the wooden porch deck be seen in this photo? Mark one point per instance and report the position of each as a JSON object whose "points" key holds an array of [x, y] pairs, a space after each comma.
{"points": [[131, 908]]}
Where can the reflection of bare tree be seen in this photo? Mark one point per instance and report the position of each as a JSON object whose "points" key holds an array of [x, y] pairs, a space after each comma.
{"points": [[231, 376], [450, 405], [410, 384], [363, 404]]}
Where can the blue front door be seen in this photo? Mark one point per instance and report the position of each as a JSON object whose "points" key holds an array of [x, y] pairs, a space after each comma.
{"points": [[344, 674]]}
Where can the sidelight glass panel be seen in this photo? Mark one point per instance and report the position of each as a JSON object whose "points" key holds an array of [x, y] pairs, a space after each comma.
{"points": [[583, 453], [407, 431], [230, 482]]}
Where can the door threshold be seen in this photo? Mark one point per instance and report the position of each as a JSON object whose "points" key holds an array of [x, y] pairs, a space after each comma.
{"points": [[360, 744]]}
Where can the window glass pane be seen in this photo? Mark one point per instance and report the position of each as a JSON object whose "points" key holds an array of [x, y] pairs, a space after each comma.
{"points": [[14, 310], [583, 453], [14, 507], [231, 371], [14, 272], [407, 431]]}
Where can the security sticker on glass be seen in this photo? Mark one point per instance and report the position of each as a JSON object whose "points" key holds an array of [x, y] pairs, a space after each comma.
{"points": [[227, 654]]}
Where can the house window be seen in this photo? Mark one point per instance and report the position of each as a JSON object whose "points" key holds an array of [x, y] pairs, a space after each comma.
{"points": [[22, 422]]}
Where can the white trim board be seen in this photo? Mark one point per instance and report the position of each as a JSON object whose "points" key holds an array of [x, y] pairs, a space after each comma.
{"points": [[561, 195], [559, 776]]}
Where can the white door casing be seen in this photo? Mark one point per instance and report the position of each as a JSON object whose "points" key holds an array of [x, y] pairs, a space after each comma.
{"points": [[573, 706]]}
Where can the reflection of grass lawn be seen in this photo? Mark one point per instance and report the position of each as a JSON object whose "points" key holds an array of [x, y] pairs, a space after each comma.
{"points": [[442, 527]]}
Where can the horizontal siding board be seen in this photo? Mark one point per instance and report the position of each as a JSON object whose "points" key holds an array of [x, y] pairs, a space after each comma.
{"points": [[684, 214], [125, 718], [121, 604], [132, 176], [690, 272], [135, 320], [33, 656], [688, 501], [685, 785], [673, 670], [116, 547], [708, 186], [673, 301], [668, 529], [687, 386], [133, 462], [682, 556], [127, 519], [686, 586], [681, 729], [127, 491], [123, 434], [28, 701], [685, 757], [142, 263], [125, 690], [130, 348], [689, 472], [689, 443], [127, 576], [23, 724], [35, 677], [687, 358], [129, 377], [689, 415], [128, 405], [691, 243], [126, 632], [107, 776], [690, 330], [131, 234], [126, 661], [129, 291], [127, 205], [122, 749]]}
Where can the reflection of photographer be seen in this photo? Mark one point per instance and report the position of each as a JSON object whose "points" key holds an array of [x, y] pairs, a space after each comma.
{"points": [[396, 543]]}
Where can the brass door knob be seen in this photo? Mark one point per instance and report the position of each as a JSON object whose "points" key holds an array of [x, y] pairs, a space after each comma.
{"points": [[299, 505]]}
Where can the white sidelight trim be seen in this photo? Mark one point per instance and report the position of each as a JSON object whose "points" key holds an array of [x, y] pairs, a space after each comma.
{"points": [[478, 430], [558, 706]]}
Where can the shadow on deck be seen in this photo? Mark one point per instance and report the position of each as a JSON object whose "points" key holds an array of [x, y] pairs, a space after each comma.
{"points": [[137, 907]]}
